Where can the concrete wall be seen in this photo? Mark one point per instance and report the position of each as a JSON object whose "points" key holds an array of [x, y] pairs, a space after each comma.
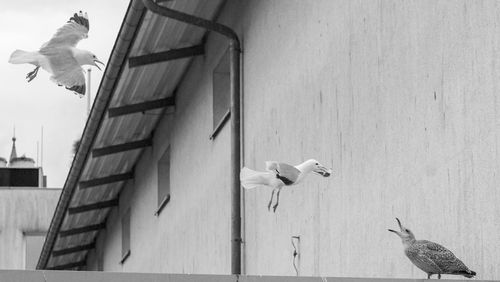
{"points": [[398, 97], [23, 211]]}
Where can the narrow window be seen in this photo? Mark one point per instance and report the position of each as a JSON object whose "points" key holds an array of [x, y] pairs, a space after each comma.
{"points": [[125, 235], [163, 180], [221, 94], [34, 244]]}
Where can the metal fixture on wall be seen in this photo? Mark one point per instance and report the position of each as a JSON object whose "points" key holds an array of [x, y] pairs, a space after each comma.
{"points": [[296, 253]]}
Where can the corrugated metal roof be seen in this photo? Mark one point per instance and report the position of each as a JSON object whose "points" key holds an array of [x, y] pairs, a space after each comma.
{"points": [[130, 86]]}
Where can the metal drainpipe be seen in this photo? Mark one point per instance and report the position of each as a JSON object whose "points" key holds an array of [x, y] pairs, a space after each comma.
{"points": [[234, 68]]}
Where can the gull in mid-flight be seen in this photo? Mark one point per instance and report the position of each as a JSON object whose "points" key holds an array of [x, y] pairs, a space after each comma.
{"points": [[431, 257], [59, 56], [279, 175]]}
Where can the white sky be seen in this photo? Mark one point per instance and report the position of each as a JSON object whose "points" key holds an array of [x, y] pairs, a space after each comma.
{"points": [[26, 25]]}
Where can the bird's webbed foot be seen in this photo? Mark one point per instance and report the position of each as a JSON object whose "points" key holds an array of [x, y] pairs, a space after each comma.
{"points": [[275, 207], [32, 74]]}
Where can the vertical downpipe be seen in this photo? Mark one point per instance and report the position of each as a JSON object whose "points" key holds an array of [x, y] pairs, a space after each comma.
{"points": [[234, 68]]}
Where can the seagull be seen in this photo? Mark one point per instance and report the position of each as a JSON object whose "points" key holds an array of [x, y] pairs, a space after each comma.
{"points": [[431, 257], [279, 175], [59, 56]]}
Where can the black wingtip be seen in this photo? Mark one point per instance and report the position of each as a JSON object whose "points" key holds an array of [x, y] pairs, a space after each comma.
{"points": [[79, 20], [78, 89]]}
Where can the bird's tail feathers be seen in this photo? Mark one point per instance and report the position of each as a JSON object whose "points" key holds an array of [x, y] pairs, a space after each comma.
{"points": [[467, 273], [23, 57], [251, 179]]}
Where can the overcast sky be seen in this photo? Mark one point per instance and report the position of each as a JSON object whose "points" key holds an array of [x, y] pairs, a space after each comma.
{"points": [[26, 25]]}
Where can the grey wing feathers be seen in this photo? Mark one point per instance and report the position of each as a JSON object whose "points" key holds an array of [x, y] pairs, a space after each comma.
{"points": [[66, 70], [71, 33], [422, 260], [288, 171], [443, 257]]}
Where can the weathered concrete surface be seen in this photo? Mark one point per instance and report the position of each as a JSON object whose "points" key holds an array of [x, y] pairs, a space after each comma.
{"points": [[23, 211], [400, 98]]}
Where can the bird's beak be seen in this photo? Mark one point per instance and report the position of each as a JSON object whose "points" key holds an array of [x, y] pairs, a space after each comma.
{"points": [[400, 228], [97, 61], [323, 171]]}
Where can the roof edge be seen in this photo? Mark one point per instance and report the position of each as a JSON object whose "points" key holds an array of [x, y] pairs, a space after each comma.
{"points": [[121, 48]]}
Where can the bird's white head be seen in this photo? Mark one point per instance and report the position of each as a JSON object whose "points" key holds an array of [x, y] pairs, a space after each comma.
{"points": [[84, 57], [405, 234], [314, 166]]}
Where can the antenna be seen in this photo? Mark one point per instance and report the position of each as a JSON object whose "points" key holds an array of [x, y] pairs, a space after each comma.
{"points": [[41, 149], [88, 91], [37, 153]]}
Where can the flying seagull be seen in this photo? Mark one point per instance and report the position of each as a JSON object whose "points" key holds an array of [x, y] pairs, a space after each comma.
{"points": [[431, 257], [59, 56], [279, 175]]}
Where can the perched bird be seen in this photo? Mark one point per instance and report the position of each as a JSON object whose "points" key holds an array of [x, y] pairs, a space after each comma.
{"points": [[431, 257], [279, 175], [59, 56]]}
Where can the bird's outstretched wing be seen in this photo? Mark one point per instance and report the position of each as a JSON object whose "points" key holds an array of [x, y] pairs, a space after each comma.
{"points": [[286, 171], [73, 80], [65, 69], [71, 33], [289, 172]]}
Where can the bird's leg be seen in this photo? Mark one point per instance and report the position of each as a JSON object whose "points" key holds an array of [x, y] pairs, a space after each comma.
{"points": [[439, 276], [32, 74], [271, 201], [277, 200]]}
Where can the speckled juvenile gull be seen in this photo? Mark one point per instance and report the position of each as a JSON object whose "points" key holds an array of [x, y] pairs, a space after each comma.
{"points": [[431, 257], [279, 175], [59, 56]]}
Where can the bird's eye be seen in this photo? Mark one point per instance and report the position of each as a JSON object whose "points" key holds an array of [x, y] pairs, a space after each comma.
{"points": [[317, 163]]}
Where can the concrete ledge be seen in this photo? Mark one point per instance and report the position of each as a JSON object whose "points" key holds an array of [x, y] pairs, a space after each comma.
{"points": [[94, 276]]}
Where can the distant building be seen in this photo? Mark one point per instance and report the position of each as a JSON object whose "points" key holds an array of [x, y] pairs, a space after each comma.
{"points": [[20, 171], [27, 208], [400, 98]]}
